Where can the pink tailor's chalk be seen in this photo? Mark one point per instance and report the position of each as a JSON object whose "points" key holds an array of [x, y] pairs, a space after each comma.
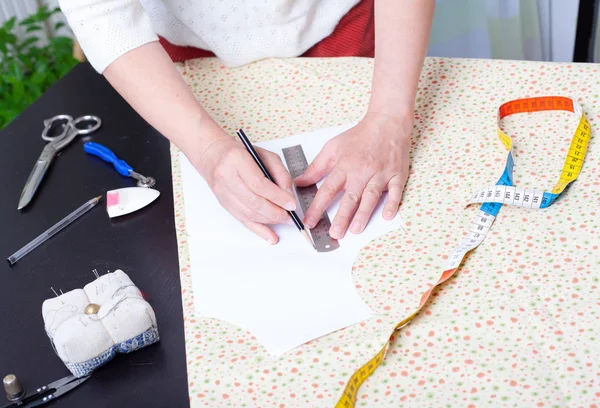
{"points": [[129, 199], [112, 198]]}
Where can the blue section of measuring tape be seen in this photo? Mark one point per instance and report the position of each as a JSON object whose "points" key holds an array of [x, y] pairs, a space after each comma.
{"points": [[505, 180], [547, 199]]}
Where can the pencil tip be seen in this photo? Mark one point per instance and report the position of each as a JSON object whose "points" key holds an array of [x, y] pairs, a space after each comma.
{"points": [[307, 236], [97, 198]]}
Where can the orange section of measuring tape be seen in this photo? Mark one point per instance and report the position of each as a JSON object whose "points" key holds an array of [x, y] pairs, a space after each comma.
{"points": [[571, 170], [543, 103]]}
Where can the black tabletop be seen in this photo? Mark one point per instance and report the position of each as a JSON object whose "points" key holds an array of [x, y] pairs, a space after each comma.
{"points": [[143, 244]]}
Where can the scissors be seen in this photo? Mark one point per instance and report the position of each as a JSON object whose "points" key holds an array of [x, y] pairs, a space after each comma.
{"points": [[42, 395], [67, 129]]}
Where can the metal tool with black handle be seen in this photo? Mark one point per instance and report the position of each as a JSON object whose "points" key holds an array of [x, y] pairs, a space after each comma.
{"points": [[20, 399]]}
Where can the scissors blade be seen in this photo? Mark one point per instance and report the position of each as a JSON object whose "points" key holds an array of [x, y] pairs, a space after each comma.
{"points": [[68, 387], [36, 175], [60, 390], [59, 383]]}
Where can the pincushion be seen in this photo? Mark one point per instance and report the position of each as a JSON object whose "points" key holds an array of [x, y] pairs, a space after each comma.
{"points": [[89, 326]]}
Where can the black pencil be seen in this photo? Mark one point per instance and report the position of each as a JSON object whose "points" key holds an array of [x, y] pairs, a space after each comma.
{"points": [[265, 171]]}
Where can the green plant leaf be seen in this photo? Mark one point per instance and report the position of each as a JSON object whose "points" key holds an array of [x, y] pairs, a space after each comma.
{"points": [[33, 28], [28, 69], [29, 20], [44, 13], [9, 39], [9, 24], [18, 93], [62, 41], [38, 78], [27, 42], [41, 66], [58, 25], [6, 116], [36, 91], [16, 70]]}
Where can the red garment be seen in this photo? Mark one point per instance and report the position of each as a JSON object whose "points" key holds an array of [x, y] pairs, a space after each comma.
{"points": [[354, 36]]}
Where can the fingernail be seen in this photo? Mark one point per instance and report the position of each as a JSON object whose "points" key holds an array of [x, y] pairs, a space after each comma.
{"points": [[310, 222], [290, 206], [389, 214], [270, 241], [337, 232], [356, 227]]}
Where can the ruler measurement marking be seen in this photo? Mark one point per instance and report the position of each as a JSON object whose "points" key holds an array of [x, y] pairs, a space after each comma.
{"points": [[297, 163]]}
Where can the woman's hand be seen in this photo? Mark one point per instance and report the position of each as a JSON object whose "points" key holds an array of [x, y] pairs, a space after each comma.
{"points": [[157, 91], [365, 161], [243, 190]]}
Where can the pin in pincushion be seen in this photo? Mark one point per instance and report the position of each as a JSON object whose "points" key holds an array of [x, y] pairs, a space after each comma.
{"points": [[89, 326]]}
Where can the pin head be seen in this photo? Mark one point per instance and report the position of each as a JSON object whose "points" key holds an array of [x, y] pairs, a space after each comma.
{"points": [[91, 309]]}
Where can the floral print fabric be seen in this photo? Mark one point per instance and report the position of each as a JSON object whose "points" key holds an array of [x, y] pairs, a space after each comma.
{"points": [[518, 324]]}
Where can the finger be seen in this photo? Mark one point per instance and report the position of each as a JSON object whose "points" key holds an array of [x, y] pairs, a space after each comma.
{"points": [[319, 167], [332, 185], [261, 186], [369, 200], [395, 188], [244, 213], [280, 174], [348, 206], [257, 206], [262, 231]]}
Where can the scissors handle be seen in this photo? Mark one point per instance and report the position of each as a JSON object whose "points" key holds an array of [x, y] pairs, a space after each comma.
{"points": [[62, 121], [89, 124], [70, 128], [54, 390], [107, 155]]}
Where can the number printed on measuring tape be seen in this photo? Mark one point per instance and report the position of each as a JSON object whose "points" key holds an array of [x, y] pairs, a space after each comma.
{"points": [[492, 199], [510, 195]]}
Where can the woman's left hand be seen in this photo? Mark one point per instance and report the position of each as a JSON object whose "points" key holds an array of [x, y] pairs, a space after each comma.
{"points": [[365, 161]]}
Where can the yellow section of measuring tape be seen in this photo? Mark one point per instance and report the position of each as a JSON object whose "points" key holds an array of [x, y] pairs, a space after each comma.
{"points": [[506, 141], [570, 172], [348, 398], [575, 156]]}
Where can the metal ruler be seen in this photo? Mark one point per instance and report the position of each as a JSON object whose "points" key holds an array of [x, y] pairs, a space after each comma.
{"points": [[297, 164], [492, 198]]}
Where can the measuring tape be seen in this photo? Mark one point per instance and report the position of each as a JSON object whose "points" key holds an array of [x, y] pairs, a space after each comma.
{"points": [[297, 163], [493, 197]]}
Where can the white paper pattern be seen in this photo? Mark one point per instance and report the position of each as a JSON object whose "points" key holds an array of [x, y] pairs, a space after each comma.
{"points": [[286, 294]]}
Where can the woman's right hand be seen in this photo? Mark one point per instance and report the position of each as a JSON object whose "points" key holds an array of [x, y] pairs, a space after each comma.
{"points": [[243, 190], [158, 93]]}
